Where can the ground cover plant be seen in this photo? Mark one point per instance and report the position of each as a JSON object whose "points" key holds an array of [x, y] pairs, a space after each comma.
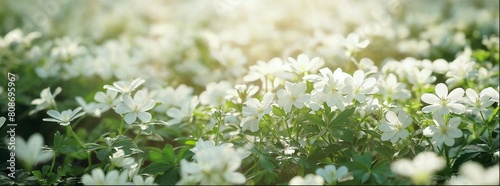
{"points": [[233, 92]]}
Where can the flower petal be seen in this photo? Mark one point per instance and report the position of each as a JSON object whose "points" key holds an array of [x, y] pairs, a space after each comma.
{"points": [[456, 94], [441, 90], [430, 98], [130, 117]]}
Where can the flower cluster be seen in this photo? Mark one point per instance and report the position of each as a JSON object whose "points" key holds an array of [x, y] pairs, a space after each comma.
{"points": [[214, 165]]}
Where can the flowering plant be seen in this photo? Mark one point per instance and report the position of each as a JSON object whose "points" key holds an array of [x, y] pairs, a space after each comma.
{"points": [[271, 99]]}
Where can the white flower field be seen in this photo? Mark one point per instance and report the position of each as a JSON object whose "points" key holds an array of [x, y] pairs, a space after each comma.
{"points": [[249, 92]]}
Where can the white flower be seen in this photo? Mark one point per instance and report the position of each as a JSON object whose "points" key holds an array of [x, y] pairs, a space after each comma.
{"points": [[309, 179], [97, 177], [125, 87], [420, 170], [491, 92], [444, 132], [17, 36], [255, 110], [473, 173], [443, 102], [475, 102], [303, 65], [139, 180], [368, 66], [65, 117], [136, 108], [91, 108], [214, 165], [461, 68], [372, 106], [420, 78], [185, 112], [317, 100], [271, 74], [331, 174], [46, 99], [204, 145], [353, 43], [359, 86], [392, 89], [170, 97], [440, 66], [65, 49], [395, 126], [274, 68], [30, 152], [294, 94], [120, 160], [215, 93], [242, 92], [107, 100], [328, 88]]}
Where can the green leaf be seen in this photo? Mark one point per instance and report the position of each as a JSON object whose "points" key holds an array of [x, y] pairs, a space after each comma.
{"points": [[52, 178], [365, 177], [328, 110], [155, 168], [37, 174], [342, 117], [168, 154], [92, 146], [365, 159], [266, 163], [303, 162], [372, 133], [62, 170], [346, 135], [314, 119], [278, 111], [493, 115], [124, 143], [182, 154], [481, 55], [70, 146], [58, 141], [475, 148], [170, 177], [149, 129], [103, 154], [379, 178]]}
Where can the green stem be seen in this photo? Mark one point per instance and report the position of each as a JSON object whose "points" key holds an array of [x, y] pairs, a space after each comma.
{"points": [[296, 125], [78, 121], [139, 134], [448, 160], [217, 131], [76, 136], [121, 127], [53, 162], [89, 158], [273, 130]]}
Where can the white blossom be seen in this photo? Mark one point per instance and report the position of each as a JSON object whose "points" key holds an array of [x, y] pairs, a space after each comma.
{"points": [[442, 102], [65, 117], [444, 131], [309, 179], [136, 107], [394, 127], [421, 168]]}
